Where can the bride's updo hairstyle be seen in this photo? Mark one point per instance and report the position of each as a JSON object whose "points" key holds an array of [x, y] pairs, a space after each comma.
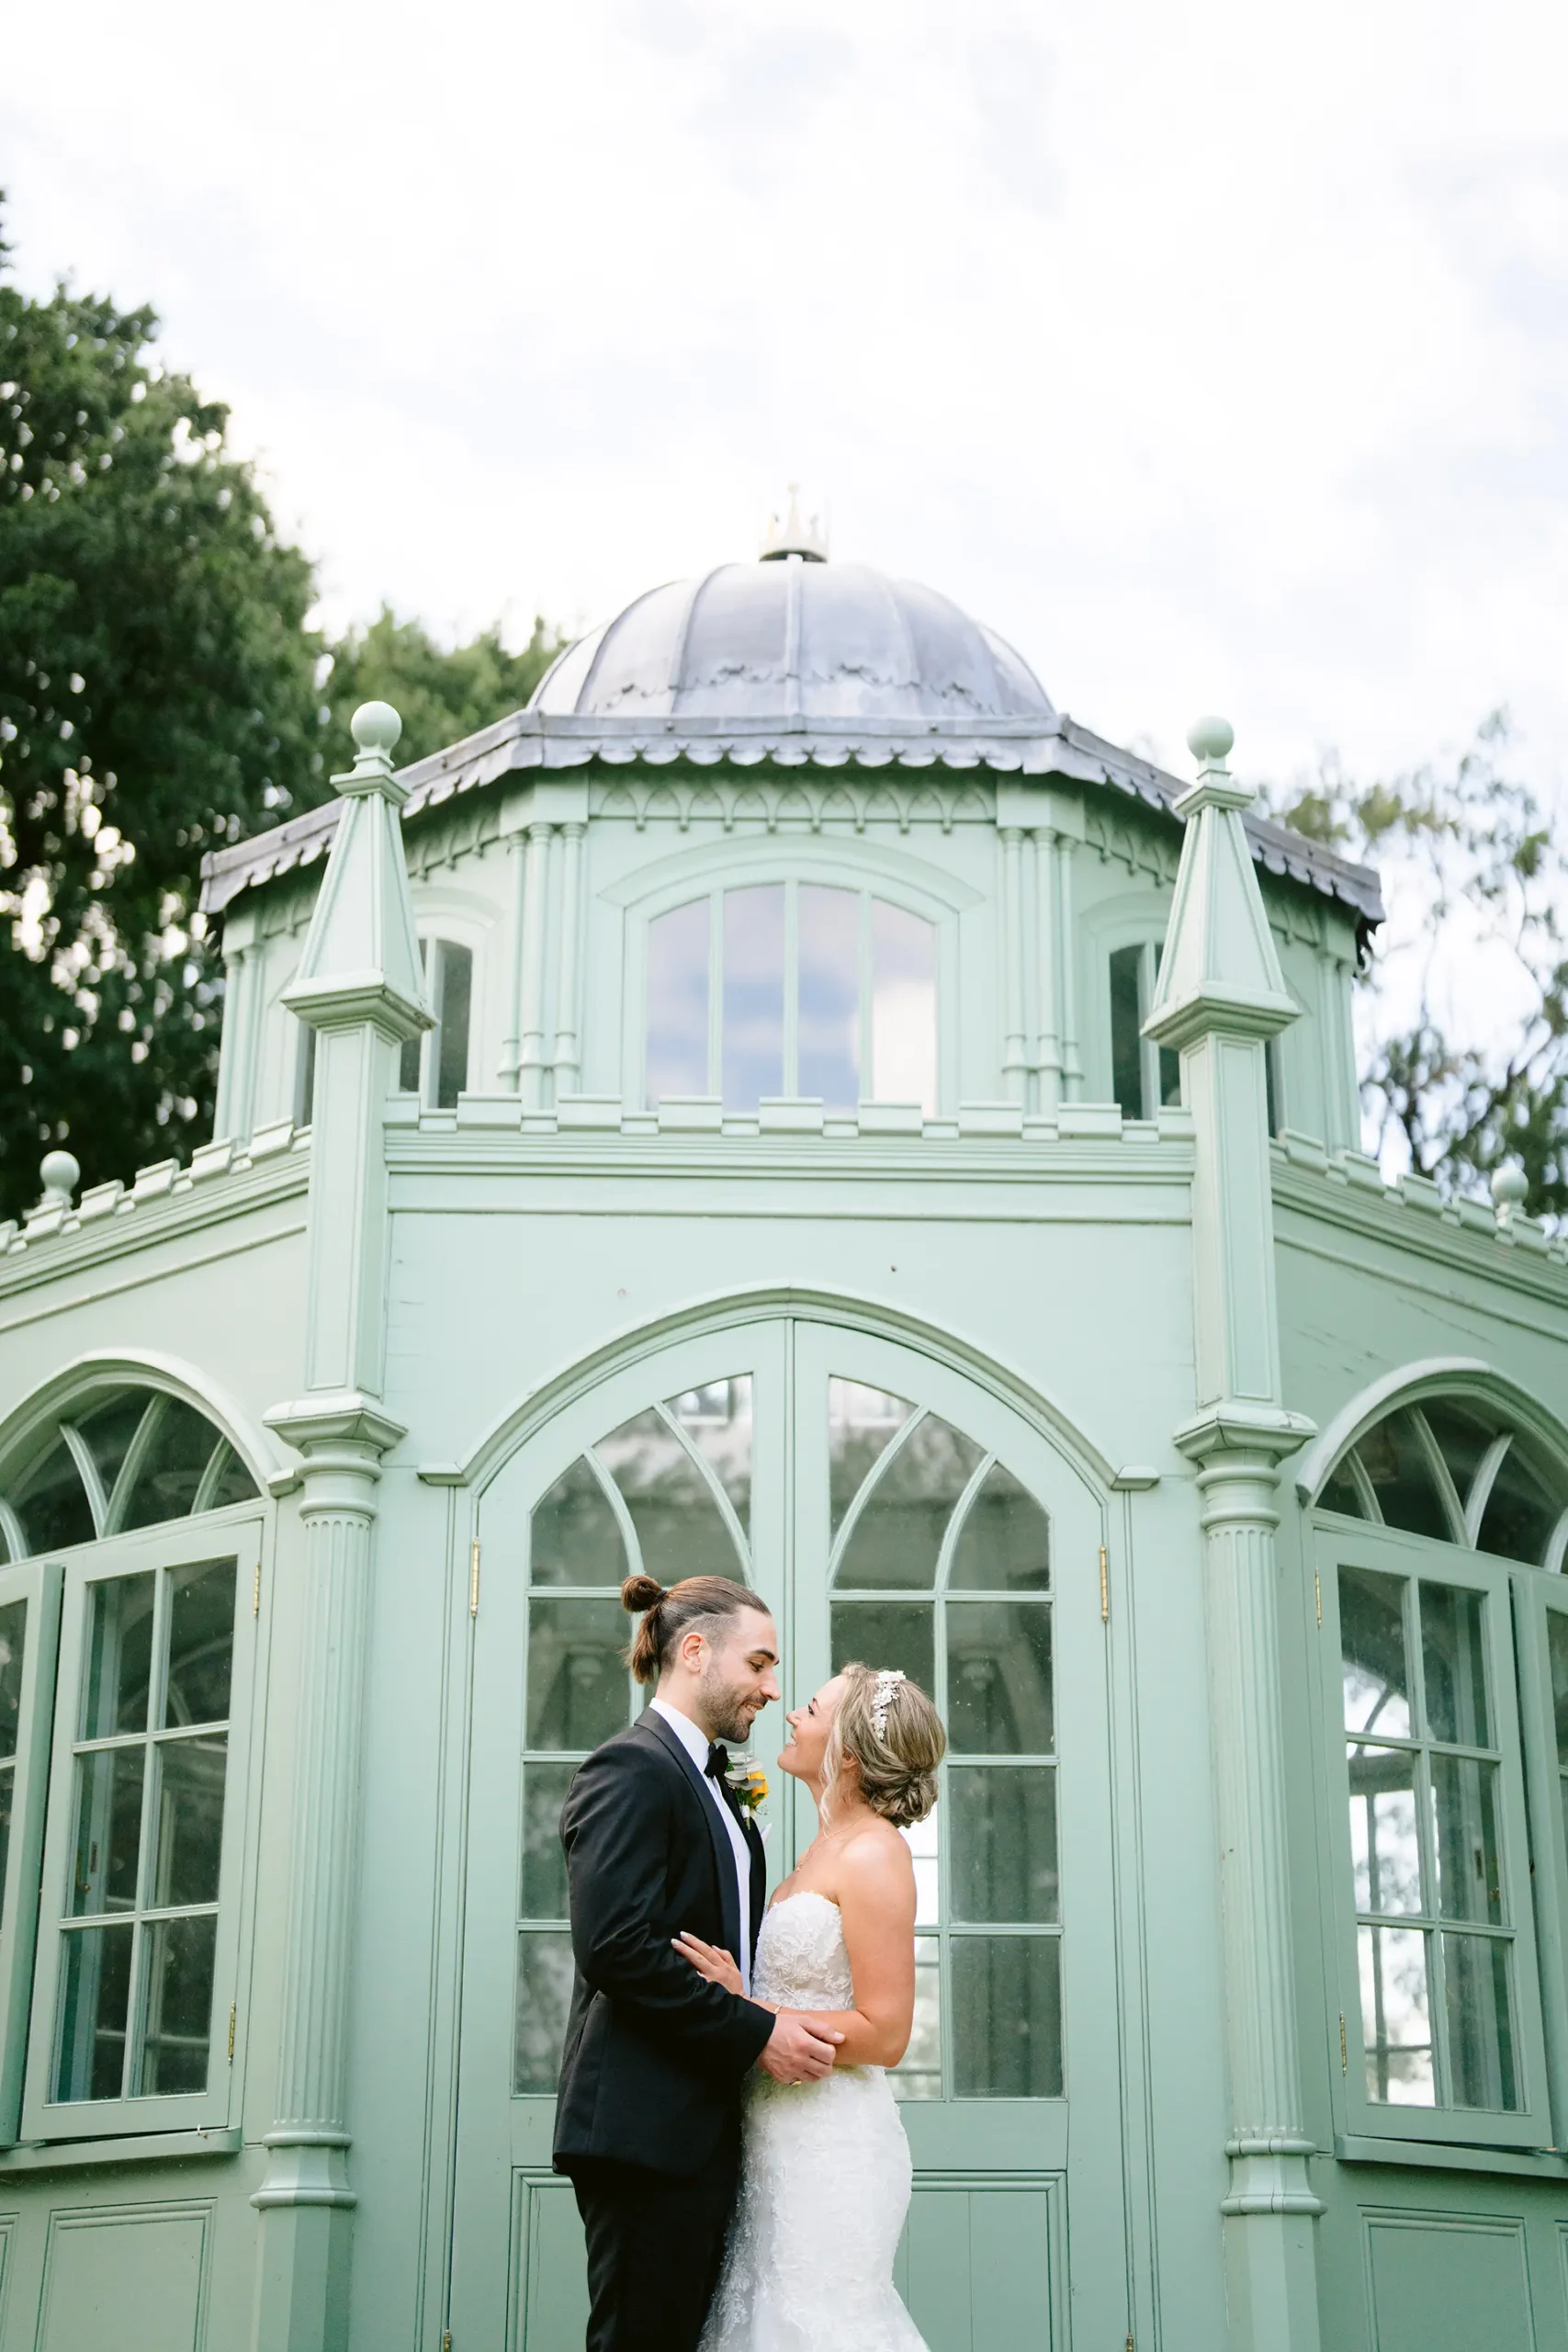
{"points": [[696, 1604], [892, 1733]]}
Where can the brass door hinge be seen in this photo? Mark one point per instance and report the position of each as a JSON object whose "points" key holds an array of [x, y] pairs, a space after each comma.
{"points": [[1344, 2053], [445, 2340], [234, 2014], [474, 1577], [255, 1592], [1104, 1590], [1317, 1590]]}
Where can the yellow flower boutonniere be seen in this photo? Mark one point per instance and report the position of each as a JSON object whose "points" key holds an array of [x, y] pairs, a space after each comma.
{"points": [[748, 1782]]}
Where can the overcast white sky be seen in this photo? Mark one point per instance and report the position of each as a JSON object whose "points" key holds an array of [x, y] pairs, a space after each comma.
{"points": [[1216, 354]]}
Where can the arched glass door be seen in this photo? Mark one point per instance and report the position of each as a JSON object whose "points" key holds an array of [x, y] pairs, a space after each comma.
{"points": [[890, 1511]]}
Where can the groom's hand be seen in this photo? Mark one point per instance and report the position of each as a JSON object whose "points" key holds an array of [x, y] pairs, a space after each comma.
{"points": [[798, 2050]]}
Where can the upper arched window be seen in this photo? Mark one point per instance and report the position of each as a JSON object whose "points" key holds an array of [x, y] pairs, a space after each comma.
{"points": [[120, 1459], [793, 988], [1458, 1469]]}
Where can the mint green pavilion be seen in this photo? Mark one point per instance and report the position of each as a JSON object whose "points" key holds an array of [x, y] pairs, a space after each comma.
{"points": [[790, 1102]]}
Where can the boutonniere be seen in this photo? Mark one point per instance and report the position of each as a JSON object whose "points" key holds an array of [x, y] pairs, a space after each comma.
{"points": [[748, 1783]]}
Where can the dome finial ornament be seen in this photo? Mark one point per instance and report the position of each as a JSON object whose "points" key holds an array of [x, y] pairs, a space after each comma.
{"points": [[792, 536], [1511, 1189], [1210, 739]]}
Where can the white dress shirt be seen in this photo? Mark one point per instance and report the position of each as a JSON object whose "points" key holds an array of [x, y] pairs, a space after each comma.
{"points": [[694, 1740]]}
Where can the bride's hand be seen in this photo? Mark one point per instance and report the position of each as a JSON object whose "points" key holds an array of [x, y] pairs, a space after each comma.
{"points": [[709, 1961]]}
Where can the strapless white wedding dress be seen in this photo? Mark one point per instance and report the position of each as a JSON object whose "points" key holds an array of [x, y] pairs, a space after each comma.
{"points": [[824, 2178]]}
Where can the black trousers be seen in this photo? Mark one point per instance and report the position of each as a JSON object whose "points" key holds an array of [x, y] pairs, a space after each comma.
{"points": [[655, 2242]]}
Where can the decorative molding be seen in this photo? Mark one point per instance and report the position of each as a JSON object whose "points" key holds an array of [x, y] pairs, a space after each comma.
{"points": [[1432, 1376], [110, 1220]]}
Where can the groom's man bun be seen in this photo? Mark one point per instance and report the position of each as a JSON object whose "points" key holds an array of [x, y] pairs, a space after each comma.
{"points": [[695, 1605]]}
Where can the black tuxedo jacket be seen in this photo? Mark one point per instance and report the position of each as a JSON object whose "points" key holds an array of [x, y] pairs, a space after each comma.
{"points": [[655, 2055]]}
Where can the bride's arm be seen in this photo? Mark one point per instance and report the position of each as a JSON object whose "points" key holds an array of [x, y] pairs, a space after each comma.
{"points": [[876, 1907]]}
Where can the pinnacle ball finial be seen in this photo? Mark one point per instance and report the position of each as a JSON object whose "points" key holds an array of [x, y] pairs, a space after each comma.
{"points": [[376, 726], [60, 1173], [1511, 1189], [1210, 739]]}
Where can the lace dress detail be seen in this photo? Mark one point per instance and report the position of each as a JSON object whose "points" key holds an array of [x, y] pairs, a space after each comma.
{"points": [[824, 2178]]}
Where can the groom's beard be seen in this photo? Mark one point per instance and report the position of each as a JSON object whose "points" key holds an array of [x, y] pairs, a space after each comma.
{"points": [[727, 1716]]}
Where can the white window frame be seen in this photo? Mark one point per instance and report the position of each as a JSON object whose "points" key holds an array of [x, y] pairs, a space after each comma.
{"points": [[237, 1532], [39, 1584]]}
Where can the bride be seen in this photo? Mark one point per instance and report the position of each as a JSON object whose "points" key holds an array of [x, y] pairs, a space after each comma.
{"points": [[825, 2166]]}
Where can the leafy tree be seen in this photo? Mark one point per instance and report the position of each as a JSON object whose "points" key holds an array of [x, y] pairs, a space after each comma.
{"points": [[440, 696], [1468, 1061]]}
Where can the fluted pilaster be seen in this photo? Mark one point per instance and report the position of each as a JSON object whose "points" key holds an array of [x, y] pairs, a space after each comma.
{"points": [[1015, 1060], [531, 1041]]}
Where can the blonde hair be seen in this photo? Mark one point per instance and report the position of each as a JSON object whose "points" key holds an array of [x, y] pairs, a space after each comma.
{"points": [[894, 1734]]}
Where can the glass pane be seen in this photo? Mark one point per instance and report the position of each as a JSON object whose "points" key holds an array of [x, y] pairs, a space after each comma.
{"points": [[1455, 1664], [189, 1836], [1470, 1862], [1342, 1493], [886, 1632], [170, 1471], [12, 1652], [119, 1655], [859, 1422], [109, 1428], [897, 1538], [1004, 1843], [1395, 1461], [903, 1007], [543, 1996], [677, 1058], [1464, 1436], [1371, 1642], [753, 995], [7, 1802], [544, 1864], [923, 1839], [1520, 1514], [1481, 2030], [680, 1529], [1557, 1643], [180, 1956], [575, 1535], [410, 1054], [53, 1505], [1126, 1031], [455, 980], [1170, 1080], [919, 2072], [201, 1642], [108, 1830], [717, 1419], [828, 1014], [95, 1998], [578, 1690], [234, 1483], [1006, 2016], [1396, 2016], [999, 1679], [1385, 1850], [1004, 1541]]}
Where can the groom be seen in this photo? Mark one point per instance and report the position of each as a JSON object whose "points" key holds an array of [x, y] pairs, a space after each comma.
{"points": [[648, 2114]]}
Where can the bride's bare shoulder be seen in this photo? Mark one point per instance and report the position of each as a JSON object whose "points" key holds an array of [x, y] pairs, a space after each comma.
{"points": [[876, 1858]]}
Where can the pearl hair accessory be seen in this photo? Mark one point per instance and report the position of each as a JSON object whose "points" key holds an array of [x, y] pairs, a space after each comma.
{"points": [[887, 1681]]}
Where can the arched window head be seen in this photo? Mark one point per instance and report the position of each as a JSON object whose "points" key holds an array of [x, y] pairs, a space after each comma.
{"points": [[116, 1459], [792, 988], [1458, 1469]]}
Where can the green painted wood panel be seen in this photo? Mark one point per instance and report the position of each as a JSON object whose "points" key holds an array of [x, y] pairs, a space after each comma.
{"points": [[133, 2276], [1445, 2282]]}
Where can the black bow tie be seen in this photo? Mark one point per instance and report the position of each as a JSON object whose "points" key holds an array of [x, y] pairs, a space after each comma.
{"points": [[717, 1764]]}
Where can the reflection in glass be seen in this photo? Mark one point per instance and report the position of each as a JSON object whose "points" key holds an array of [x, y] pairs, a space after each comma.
{"points": [[1342, 1494], [1384, 1849], [1557, 1649], [454, 1002], [178, 2003], [181, 1447], [678, 1003], [7, 1804], [886, 1632], [1126, 1030], [108, 1829], [53, 1505], [859, 1423], [13, 1650], [108, 1430], [999, 1698], [1004, 1842], [1006, 2016], [1004, 1541], [919, 2072], [897, 1536], [543, 1863], [576, 1536], [1481, 2033], [680, 1529], [95, 2000], [1371, 1640], [232, 1482], [119, 1655], [201, 1642], [717, 1419], [1469, 1864], [1454, 1666], [577, 1674], [1463, 1439], [189, 1839], [828, 1014], [903, 1007], [1520, 1515], [753, 995], [1396, 2016], [1403, 1479], [543, 1996]]}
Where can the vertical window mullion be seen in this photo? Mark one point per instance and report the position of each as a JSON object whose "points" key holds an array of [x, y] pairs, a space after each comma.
{"points": [[715, 993]]}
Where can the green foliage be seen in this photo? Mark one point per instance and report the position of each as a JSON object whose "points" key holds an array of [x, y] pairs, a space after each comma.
{"points": [[1469, 1064], [441, 697]]}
